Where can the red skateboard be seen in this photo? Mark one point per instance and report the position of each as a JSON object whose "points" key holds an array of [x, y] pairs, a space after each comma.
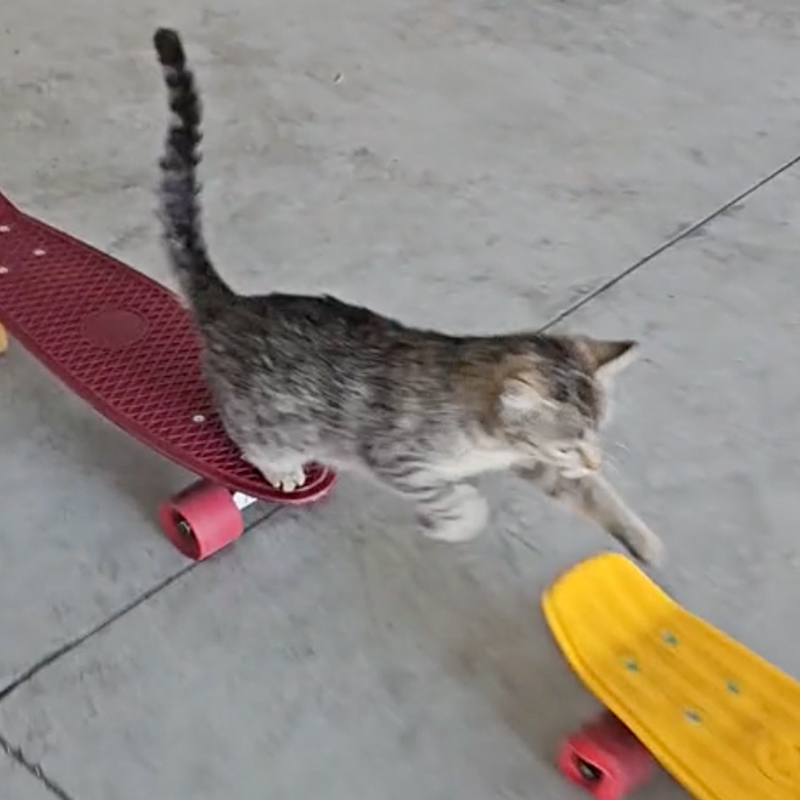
{"points": [[126, 345]]}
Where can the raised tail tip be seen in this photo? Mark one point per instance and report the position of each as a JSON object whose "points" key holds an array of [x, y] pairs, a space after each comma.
{"points": [[169, 48]]}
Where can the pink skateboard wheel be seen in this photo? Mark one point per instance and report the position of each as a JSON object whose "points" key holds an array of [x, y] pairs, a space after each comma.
{"points": [[201, 520], [606, 759]]}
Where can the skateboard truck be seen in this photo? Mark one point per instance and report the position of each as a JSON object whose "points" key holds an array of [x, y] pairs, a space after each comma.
{"points": [[605, 758]]}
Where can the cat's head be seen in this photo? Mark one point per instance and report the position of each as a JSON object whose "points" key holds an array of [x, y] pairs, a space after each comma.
{"points": [[552, 401]]}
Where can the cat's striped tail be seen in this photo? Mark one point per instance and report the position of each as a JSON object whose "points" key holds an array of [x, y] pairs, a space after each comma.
{"points": [[179, 189]]}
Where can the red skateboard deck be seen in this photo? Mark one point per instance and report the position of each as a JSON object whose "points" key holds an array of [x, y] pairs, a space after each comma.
{"points": [[126, 345]]}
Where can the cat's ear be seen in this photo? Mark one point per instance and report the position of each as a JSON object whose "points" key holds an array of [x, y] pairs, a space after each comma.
{"points": [[611, 356], [520, 394]]}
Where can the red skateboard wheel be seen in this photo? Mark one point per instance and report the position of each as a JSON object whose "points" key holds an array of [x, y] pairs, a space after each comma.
{"points": [[605, 758], [201, 519]]}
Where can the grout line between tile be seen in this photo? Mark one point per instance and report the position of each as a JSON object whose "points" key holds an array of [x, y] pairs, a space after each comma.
{"points": [[15, 754], [684, 234], [133, 604], [56, 654]]}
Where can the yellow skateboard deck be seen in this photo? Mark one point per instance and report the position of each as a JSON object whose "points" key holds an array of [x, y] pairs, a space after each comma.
{"points": [[722, 720]]}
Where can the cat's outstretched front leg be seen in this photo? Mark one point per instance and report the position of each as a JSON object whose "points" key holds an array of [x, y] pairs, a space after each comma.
{"points": [[596, 499]]}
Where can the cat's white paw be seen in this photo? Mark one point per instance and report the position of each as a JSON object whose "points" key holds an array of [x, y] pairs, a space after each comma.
{"points": [[648, 548], [472, 513], [286, 481]]}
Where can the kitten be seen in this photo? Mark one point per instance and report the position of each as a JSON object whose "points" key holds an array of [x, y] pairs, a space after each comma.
{"points": [[299, 378]]}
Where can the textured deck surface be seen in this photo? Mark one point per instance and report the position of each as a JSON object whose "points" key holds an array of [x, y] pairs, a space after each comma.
{"points": [[721, 719]]}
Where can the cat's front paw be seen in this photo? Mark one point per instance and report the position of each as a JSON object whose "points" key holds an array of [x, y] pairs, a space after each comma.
{"points": [[647, 547], [286, 481]]}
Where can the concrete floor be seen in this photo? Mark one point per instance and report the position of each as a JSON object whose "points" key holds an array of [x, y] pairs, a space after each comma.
{"points": [[479, 165]]}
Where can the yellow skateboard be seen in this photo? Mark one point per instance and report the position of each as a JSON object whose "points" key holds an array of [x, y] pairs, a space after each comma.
{"points": [[722, 720]]}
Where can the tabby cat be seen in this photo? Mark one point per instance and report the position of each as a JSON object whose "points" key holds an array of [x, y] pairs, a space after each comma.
{"points": [[299, 379]]}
